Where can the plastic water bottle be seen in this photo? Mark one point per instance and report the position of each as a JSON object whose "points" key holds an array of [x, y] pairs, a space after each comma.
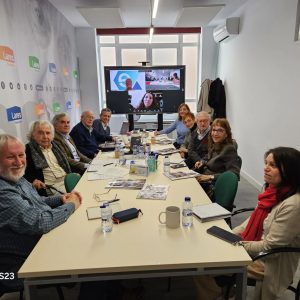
{"points": [[187, 212], [106, 218], [147, 149], [135, 151], [167, 164], [122, 157]]}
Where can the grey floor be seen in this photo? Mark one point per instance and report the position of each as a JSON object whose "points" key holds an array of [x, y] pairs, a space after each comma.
{"points": [[181, 288]]}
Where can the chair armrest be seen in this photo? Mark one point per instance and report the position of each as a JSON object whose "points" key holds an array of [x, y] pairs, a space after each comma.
{"points": [[238, 211], [276, 250]]}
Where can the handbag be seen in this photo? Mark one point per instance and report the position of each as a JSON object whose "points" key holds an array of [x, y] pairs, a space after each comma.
{"points": [[126, 215]]}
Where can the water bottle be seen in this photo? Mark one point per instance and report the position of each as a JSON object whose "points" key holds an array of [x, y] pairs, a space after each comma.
{"points": [[117, 151], [147, 149], [106, 217], [132, 167], [187, 212], [135, 151], [167, 164], [122, 159]]}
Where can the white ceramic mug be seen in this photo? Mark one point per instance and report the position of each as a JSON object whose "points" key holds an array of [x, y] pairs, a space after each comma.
{"points": [[172, 217]]}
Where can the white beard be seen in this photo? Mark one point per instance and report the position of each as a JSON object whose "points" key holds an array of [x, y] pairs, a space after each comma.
{"points": [[9, 175]]}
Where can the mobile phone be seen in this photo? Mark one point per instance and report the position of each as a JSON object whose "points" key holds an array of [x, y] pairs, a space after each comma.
{"points": [[177, 166]]}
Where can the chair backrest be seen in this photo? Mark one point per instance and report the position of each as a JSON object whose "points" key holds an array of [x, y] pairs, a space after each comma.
{"points": [[71, 180], [225, 189]]}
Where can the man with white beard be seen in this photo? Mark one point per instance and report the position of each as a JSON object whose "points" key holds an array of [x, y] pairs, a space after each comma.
{"points": [[25, 215]]}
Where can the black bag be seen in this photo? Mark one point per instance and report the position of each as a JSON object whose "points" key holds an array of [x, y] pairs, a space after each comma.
{"points": [[126, 215]]}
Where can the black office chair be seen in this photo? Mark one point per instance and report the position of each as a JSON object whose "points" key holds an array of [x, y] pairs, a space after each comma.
{"points": [[263, 254]]}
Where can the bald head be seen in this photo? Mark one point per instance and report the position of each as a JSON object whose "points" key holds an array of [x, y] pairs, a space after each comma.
{"points": [[87, 118]]}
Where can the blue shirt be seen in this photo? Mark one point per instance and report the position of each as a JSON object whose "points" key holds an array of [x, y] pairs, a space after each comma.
{"points": [[180, 128], [24, 211]]}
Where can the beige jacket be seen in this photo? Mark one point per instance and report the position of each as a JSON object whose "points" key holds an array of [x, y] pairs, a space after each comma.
{"points": [[281, 228]]}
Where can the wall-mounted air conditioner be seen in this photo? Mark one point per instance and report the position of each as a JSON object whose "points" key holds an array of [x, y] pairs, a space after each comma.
{"points": [[229, 28]]}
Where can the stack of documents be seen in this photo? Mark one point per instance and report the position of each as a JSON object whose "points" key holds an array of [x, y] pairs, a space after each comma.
{"points": [[210, 212]]}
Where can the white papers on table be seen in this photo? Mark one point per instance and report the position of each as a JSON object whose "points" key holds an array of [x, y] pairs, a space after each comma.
{"points": [[98, 164], [210, 212], [181, 174], [154, 192], [109, 172]]}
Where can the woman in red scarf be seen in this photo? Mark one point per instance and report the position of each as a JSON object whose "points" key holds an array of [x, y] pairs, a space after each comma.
{"points": [[274, 223]]}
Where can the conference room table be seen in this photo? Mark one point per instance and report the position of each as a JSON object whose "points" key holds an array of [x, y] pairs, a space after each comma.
{"points": [[79, 251]]}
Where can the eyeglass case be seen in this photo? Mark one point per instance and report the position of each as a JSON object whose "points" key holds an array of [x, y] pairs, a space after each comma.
{"points": [[126, 215]]}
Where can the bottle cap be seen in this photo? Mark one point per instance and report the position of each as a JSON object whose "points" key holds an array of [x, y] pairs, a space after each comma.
{"points": [[187, 198]]}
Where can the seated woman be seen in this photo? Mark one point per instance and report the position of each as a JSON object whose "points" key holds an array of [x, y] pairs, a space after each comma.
{"points": [[47, 166], [274, 223], [190, 123], [222, 156], [148, 103], [177, 125]]}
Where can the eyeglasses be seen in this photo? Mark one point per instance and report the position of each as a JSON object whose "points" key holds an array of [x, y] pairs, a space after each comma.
{"points": [[100, 197], [219, 130]]}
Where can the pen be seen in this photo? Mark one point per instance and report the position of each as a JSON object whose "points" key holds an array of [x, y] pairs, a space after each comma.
{"points": [[111, 201], [108, 164]]}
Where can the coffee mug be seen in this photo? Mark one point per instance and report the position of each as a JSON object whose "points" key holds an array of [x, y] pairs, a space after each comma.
{"points": [[172, 217]]}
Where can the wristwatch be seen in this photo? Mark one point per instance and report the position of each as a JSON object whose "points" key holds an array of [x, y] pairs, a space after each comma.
{"points": [[212, 177]]}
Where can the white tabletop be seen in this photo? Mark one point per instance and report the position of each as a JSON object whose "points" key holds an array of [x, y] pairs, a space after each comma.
{"points": [[143, 244]]}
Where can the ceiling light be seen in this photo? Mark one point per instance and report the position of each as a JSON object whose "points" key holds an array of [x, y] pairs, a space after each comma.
{"points": [[154, 11]]}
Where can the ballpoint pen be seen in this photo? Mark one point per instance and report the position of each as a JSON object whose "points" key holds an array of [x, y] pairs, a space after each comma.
{"points": [[114, 200], [108, 164]]}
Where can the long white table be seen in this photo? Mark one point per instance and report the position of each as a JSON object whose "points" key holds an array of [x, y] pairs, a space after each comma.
{"points": [[78, 251]]}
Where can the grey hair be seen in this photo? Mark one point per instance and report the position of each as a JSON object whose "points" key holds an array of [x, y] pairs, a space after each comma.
{"points": [[57, 117], [103, 110], [4, 138], [35, 124], [203, 113]]}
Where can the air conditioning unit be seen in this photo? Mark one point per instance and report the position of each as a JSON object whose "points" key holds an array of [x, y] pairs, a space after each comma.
{"points": [[224, 31]]}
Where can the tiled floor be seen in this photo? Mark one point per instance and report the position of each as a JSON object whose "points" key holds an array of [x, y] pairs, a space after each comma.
{"points": [[181, 288]]}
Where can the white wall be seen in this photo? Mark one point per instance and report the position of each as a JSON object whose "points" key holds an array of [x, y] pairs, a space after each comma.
{"points": [[88, 68], [261, 71]]}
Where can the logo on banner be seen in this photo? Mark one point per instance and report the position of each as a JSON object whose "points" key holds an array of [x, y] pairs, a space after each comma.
{"points": [[121, 76], [39, 108], [56, 107], [75, 74], [52, 68], [34, 62], [69, 105], [77, 104], [7, 54], [65, 71], [14, 114]]}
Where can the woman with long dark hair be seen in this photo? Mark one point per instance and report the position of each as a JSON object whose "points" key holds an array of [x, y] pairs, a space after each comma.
{"points": [[274, 223]]}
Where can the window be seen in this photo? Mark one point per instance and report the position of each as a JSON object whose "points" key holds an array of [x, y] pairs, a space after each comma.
{"points": [[171, 49]]}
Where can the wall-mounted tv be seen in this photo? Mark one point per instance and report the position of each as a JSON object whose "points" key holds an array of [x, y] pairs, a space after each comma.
{"points": [[144, 90]]}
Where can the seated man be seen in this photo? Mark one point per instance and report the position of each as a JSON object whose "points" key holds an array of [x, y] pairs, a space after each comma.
{"points": [[78, 162], [101, 125], [197, 148], [24, 214], [87, 139], [47, 166]]}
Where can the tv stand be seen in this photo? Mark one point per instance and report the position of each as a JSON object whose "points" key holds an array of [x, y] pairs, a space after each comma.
{"points": [[160, 120]]}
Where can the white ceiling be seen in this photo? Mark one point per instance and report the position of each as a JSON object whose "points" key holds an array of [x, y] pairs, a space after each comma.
{"points": [[137, 13]]}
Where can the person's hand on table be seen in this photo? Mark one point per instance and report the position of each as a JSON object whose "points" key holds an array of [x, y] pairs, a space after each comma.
{"points": [[156, 132], [205, 178], [38, 184], [197, 165], [73, 197]]}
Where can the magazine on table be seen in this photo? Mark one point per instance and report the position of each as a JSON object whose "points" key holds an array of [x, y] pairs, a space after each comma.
{"points": [[153, 191], [164, 141], [181, 174], [167, 151], [210, 212], [134, 184]]}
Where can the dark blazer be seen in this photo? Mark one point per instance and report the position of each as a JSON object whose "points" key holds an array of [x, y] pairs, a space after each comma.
{"points": [[97, 125], [225, 159], [88, 143], [76, 166]]}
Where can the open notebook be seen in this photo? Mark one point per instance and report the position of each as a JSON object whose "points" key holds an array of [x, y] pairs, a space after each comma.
{"points": [[210, 212]]}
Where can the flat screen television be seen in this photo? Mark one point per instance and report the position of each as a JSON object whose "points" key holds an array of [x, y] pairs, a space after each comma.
{"points": [[144, 89]]}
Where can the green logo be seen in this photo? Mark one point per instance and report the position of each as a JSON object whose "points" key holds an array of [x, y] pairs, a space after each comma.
{"points": [[56, 107], [75, 74], [34, 62]]}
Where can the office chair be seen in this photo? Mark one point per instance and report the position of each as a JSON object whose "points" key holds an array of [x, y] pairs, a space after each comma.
{"points": [[70, 181], [263, 254], [225, 190]]}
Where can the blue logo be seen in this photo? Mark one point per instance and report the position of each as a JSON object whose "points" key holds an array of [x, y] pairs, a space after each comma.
{"points": [[69, 105], [121, 76], [14, 114], [52, 68]]}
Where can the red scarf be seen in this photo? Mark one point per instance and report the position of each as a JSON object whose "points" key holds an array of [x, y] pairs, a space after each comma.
{"points": [[266, 201]]}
